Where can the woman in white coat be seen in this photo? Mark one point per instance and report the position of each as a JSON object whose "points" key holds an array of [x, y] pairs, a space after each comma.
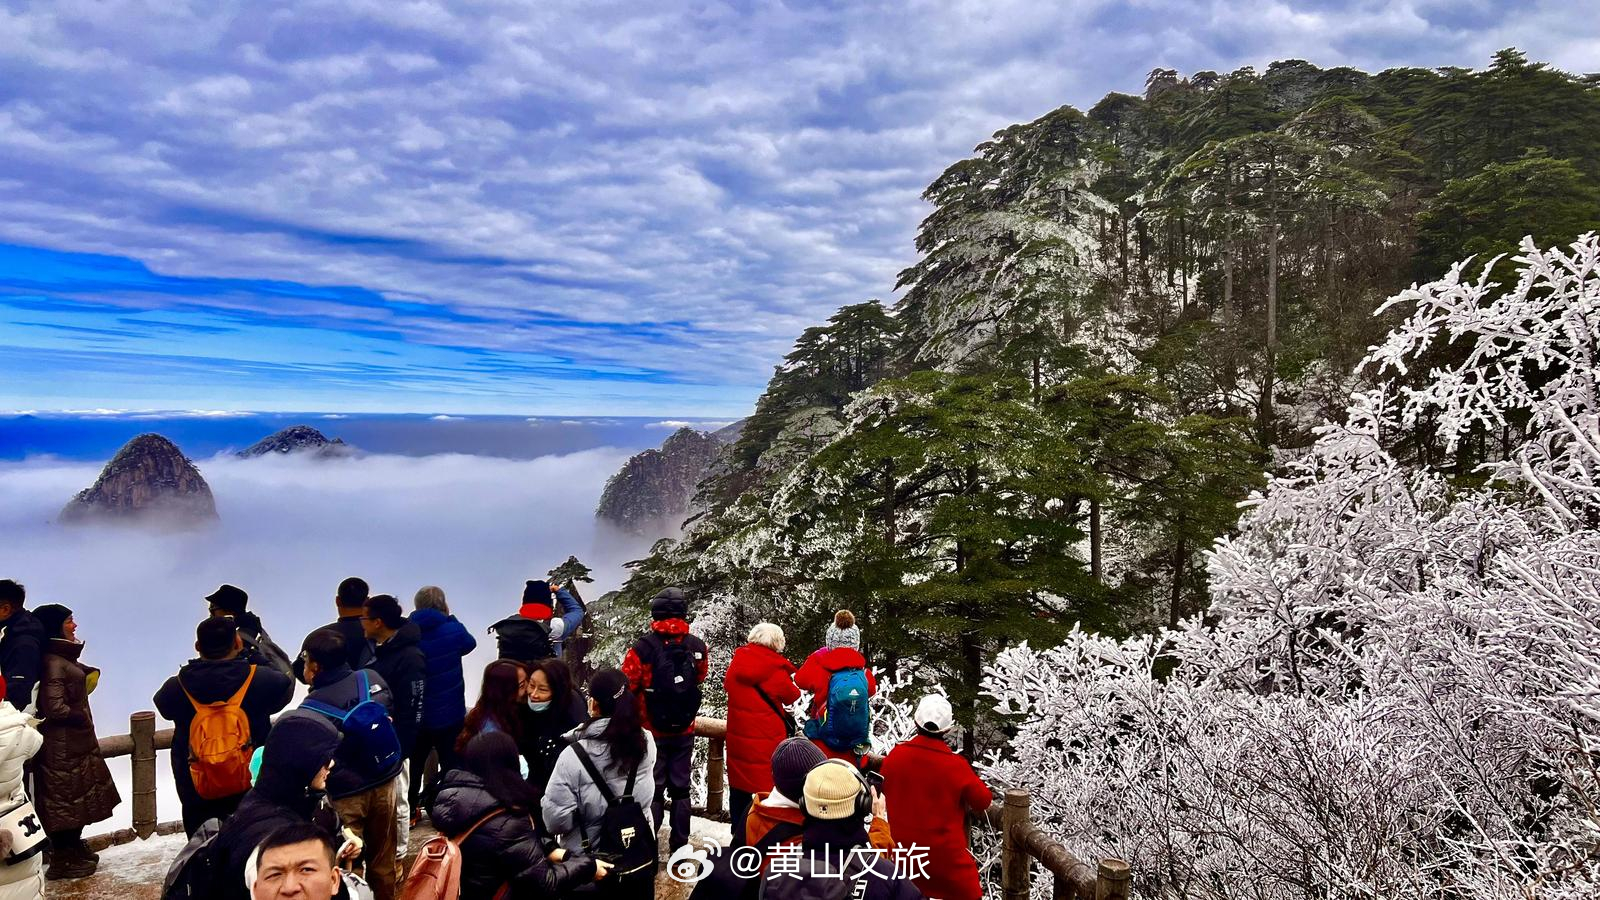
{"points": [[19, 741]]}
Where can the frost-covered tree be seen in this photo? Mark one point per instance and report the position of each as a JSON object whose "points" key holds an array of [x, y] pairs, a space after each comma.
{"points": [[1396, 692]]}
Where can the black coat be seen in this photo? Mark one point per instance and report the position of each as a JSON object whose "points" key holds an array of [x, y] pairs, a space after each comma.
{"points": [[504, 849], [300, 744], [543, 737], [339, 688], [523, 640], [210, 681], [357, 649], [21, 656], [404, 668]]}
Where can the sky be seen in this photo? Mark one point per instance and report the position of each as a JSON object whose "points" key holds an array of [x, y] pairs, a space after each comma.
{"points": [[545, 208]]}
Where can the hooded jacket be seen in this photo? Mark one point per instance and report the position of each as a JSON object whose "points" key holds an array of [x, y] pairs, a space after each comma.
{"points": [[754, 728], [819, 669], [930, 790], [300, 744], [571, 799], [640, 675], [505, 849], [22, 641], [404, 668], [19, 741], [211, 681], [445, 642], [340, 689], [72, 783]]}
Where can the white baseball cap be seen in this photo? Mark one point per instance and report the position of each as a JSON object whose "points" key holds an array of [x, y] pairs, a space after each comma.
{"points": [[934, 714]]}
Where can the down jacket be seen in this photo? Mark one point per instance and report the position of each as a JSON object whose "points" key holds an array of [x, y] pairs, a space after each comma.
{"points": [[930, 790], [505, 849], [71, 779], [818, 671], [445, 642], [754, 728], [19, 741], [571, 799]]}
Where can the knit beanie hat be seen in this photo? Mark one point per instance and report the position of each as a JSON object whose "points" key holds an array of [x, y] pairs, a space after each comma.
{"points": [[831, 790], [843, 632], [536, 601], [52, 616], [669, 604], [792, 760]]}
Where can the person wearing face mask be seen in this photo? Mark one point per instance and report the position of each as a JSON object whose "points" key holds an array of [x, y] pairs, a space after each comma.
{"points": [[553, 708], [290, 788], [73, 785], [505, 849]]}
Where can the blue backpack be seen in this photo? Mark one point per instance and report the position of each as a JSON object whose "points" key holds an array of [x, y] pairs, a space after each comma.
{"points": [[370, 742], [846, 722]]}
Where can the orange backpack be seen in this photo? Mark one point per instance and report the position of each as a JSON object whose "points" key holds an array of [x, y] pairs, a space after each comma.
{"points": [[436, 875], [219, 745]]}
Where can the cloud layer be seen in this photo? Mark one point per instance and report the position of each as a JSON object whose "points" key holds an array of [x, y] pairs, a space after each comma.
{"points": [[586, 208]]}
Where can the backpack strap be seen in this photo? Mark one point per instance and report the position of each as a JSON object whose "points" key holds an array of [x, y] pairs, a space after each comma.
{"points": [[462, 838], [363, 687], [332, 712], [599, 780], [788, 719], [238, 696]]}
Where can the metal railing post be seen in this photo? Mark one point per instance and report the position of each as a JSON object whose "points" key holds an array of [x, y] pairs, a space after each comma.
{"points": [[142, 728]]}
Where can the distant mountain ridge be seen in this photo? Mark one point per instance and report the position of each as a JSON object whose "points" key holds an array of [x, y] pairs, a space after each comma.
{"points": [[148, 479], [653, 491], [297, 439]]}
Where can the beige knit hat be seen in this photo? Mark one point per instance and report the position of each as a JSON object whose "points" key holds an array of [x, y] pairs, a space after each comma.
{"points": [[831, 790]]}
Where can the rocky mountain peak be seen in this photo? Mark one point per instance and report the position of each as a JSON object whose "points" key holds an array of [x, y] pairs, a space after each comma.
{"points": [[296, 439], [652, 492], [148, 479]]}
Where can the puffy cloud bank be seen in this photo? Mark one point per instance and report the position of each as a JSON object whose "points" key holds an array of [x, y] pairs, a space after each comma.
{"points": [[291, 529]]}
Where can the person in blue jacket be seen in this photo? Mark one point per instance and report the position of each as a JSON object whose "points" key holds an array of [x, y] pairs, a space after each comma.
{"points": [[445, 642]]}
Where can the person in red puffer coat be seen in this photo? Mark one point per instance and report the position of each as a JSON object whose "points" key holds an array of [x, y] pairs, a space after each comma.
{"points": [[841, 650], [760, 685], [930, 790]]}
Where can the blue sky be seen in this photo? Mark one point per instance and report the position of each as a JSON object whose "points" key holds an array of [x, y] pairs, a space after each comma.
{"points": [[544, 207]]}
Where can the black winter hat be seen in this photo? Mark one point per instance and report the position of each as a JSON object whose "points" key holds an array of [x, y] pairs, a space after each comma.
{"points": [[669, 604], [52, 616], [298, 746], [536, 592], [214, 637], [792, 760], [228, 599]]}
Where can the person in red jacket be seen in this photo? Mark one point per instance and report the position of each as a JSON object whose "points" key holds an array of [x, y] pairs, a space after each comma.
{"points": [[841, 650], [760, 685], [665, 668], [930, 789]]}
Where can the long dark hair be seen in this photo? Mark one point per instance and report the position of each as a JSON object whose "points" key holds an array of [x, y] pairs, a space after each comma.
{"points": [[559, 678], [497, 700], [493, 757], [624, 734]]}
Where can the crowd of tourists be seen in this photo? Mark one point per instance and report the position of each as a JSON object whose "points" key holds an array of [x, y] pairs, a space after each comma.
{"points": [[544, 787]]}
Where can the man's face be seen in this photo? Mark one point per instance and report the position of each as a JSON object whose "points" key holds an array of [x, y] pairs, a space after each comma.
{"points": [[304, 871], [371, 626], [6, 610]]}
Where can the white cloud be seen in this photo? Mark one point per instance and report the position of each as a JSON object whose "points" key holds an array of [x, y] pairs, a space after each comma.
{"points": [[444, 418], [675, 424]]}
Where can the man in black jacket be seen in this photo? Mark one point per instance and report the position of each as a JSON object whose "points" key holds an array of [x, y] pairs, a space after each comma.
{"points": [[397, 643], [219, 675], [364, 797], [259, 648], [21, 645], [351, 602], [290, 788]]}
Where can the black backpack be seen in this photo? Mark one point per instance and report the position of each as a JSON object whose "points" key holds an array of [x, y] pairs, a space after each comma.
{"points": [[673, 697], [627, 836], [191, 875], [523, 640]]}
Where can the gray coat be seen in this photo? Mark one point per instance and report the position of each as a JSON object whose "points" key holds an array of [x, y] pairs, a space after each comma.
{"points": [[571, 795]]}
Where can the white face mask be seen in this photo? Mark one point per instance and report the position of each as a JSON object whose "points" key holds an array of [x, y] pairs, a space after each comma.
{"points": [[539, 705], [522, 764]]}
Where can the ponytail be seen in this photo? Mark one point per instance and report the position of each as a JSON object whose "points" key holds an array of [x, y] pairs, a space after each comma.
{"points": [[624, 734]]}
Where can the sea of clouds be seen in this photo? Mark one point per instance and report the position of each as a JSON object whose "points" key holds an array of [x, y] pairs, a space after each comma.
{"points": [[290, 530]]}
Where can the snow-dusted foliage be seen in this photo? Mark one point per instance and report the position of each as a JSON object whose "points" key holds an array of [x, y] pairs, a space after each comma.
{"points": [[1397, 691]]}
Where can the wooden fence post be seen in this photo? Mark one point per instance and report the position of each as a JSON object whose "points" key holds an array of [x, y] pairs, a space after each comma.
{"points": [[714, 779], [1111, 882], [142, 728], [1014, 860]]}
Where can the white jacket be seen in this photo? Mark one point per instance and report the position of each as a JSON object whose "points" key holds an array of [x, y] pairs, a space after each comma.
{"points": [[571, 798], [19, 741]]}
